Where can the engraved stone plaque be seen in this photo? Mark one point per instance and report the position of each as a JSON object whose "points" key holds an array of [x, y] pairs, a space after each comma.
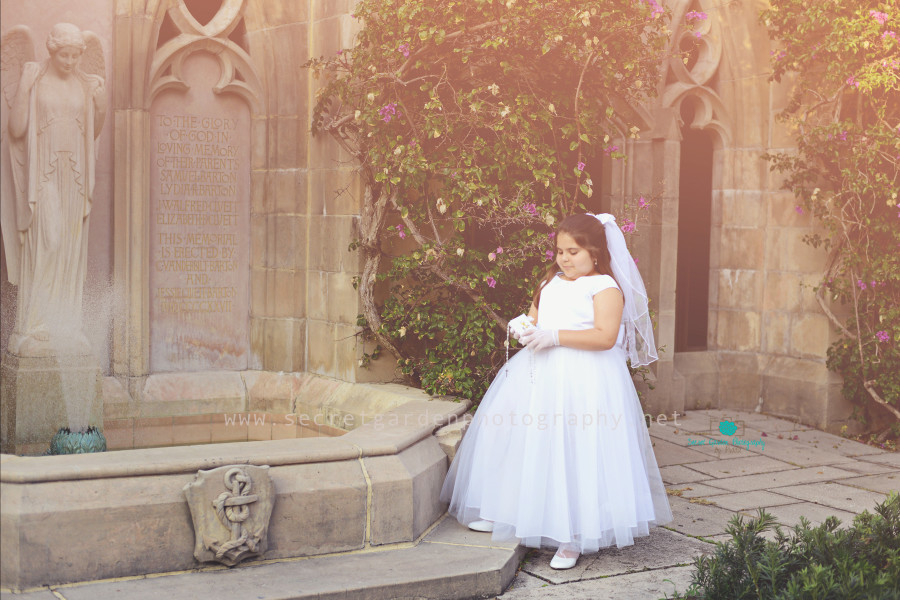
{"points": [[199, 225]]}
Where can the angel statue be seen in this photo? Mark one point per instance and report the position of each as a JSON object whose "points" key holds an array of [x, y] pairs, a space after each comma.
{"points": [[56, 111]]}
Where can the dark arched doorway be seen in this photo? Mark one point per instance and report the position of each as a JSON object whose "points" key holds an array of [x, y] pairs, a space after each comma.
{"points": [[694, 222]]}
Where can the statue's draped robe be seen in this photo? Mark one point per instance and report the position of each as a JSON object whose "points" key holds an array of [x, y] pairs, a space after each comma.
{"points": [[53, 172]]}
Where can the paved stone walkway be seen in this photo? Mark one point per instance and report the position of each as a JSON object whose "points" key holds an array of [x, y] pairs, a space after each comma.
{"points": [[788, 469], [791, 471]]}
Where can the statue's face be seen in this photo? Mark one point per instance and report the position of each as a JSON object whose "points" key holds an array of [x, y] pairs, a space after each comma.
{"points": [[66, 59]]}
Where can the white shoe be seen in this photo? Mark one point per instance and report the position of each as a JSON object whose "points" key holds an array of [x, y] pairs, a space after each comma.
{"points": [[481, 525], [562, 562]]}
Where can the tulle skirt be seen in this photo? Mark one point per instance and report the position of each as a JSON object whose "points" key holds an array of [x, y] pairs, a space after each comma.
{"points": [[559, 453]]}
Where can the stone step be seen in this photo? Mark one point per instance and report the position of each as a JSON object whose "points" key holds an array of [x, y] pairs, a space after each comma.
{"points": [[448, 562]]}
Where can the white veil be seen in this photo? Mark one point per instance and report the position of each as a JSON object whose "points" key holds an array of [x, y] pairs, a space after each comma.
{"points": [[640, 347]]}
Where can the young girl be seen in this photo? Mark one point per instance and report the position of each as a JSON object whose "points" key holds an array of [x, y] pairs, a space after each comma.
{"points": [[558, 453]]}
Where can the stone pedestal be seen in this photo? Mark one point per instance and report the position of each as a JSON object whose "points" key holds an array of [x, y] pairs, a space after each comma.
{"points": [[33, 393]]}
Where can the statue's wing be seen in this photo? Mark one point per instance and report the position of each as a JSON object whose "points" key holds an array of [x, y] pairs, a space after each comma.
{"points": [[92, 61], [16, 49]]}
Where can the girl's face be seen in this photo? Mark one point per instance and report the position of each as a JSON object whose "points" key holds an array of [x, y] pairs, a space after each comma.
{"points": [[574, 260], [66, 59]]}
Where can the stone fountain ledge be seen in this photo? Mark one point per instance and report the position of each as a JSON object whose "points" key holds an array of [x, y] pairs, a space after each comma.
{"points": [[65, 519], [388, 434]]}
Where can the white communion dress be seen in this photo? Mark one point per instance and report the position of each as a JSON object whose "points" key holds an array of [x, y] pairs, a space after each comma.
{"points": [[558, 451]]}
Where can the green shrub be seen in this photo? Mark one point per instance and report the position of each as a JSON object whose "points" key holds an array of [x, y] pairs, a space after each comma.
{"points": [[806, 563], [844, 58], [476, 126]]}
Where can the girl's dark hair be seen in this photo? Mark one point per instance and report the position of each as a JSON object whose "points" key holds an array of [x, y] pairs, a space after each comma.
{"points": [[588, 233]]}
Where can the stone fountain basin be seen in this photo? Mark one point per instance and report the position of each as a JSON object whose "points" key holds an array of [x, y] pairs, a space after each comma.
{"points": [[65, 519]]}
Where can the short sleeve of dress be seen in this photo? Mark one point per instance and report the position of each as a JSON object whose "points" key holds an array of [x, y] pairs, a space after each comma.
{"points": [[599, 283]]}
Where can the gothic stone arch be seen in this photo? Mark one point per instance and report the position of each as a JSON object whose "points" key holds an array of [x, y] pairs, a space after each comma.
{"points": [[766, 338]]}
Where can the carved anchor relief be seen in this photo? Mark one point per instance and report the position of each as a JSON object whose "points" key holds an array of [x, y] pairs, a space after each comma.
{"points": [[233, 508], [230, 525]]}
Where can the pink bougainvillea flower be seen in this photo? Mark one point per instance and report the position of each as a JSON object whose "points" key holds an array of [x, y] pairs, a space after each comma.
{"points": [[492, 257], [879, 16], [549, 254], [388, 111], [403, 49], [882, 336], [551, 235], [610, 149], [843, 136], [695, 15], [491, 282], [400, 231], [799, 210], [861, 284], [628, 227], [499, 249], [888, 34], [636, 260], [580, 166], [642, 203], [531, 208], [852, 81]]}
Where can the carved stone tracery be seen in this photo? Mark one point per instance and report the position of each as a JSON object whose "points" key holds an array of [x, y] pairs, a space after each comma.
{"points": [[239, 76], [695, 78]]}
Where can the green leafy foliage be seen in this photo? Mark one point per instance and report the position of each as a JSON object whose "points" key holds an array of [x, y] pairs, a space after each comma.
{"points": [[859, 562], [472, 121], [845, 56]]}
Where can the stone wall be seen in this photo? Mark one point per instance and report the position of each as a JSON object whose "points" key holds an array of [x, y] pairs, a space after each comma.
{"points": [[767, 336], [292, 215], [304, 196], [335, 204]]}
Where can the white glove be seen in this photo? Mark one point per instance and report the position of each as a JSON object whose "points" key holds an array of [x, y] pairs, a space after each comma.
{"points": [[538, 339]]}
